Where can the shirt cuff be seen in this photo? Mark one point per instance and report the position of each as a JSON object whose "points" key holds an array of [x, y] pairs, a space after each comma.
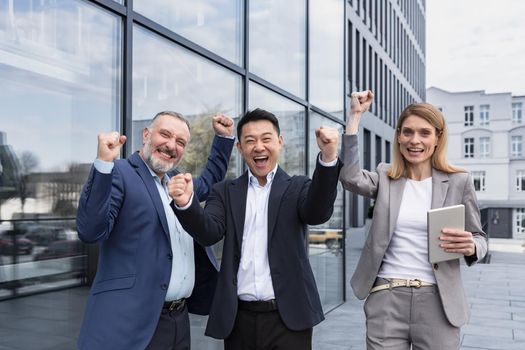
{"points": [[102, 166], [327, 164], [231, 137], [186, 206]]}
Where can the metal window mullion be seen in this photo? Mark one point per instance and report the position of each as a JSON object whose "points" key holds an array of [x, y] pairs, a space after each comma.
{"points": [[127, 78]]}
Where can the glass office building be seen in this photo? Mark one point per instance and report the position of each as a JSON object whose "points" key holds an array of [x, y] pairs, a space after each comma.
{"points": [[70, 69]]}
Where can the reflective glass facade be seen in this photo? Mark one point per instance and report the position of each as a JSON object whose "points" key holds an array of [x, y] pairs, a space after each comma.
{"points": [[61, 73]]}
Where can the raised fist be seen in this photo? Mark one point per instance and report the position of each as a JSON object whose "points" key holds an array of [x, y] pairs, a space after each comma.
{"points": [[180, 188], [328, 142], [361, 101], [223, 125], [109, 146]]}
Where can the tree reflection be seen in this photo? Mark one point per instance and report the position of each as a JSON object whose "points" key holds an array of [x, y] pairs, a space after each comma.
{"points": [[28, 162], [9, 171], [54, 194]]}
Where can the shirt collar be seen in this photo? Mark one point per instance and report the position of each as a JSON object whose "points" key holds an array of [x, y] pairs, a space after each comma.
{"points": [[164, 179], [252, 180]]}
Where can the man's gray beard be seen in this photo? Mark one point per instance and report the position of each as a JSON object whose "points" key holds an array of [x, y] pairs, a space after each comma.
{"points": [[155, 165]]}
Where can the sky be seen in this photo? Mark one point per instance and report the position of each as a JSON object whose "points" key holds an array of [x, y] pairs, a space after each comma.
{"points": [[476, 45]]}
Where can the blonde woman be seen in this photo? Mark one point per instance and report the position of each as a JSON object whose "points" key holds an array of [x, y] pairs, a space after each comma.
{"points": [[411, 303]]}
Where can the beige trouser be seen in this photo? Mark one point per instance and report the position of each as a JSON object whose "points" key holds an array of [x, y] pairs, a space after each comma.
{"points": [[401, 317]]}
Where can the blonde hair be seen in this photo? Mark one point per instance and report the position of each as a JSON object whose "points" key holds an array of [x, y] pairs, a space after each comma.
{"points": [[433, 116]]}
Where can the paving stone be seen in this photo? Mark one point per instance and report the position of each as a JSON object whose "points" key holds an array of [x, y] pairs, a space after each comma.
{"points": [[494, 330], [492, 343]]}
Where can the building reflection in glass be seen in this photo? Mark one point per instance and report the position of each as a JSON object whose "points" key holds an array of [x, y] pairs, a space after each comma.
{"points": [[60, 78], [291, 121], [326, 241]]}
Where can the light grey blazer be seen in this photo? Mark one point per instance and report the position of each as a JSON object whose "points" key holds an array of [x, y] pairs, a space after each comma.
{"points": [[447, 189]]}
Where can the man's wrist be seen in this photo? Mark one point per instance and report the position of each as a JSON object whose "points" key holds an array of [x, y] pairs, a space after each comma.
{"points": [[103, 166], [184, 207], [329, 163]]}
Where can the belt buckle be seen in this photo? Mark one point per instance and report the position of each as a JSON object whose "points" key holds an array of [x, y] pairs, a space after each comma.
{"points": [[176, 304], [417, 282]]}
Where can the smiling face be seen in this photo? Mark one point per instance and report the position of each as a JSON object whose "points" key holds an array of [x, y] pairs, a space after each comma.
{"points": [[417, 141], [164, 143], [260, 146]]}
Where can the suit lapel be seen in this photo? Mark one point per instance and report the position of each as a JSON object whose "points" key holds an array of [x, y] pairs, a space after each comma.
{"points": [[279, 185], [147, 178], [396, 194], [238, 190], [439, 188]]}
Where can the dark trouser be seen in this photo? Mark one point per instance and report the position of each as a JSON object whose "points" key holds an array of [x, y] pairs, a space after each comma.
{"points": [[173, 331], [264, 330]]}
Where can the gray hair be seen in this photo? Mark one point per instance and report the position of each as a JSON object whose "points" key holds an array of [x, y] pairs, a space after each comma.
{"points": [[172, 114]]}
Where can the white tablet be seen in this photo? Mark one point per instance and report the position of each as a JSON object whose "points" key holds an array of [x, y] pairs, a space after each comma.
{"points": [[437, 219]]}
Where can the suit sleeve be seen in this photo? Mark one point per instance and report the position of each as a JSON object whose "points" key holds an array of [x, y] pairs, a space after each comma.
{"points": [[353, 178], [206, 225], [316, 203], [99, 205], [473, 222], [215, 168]]}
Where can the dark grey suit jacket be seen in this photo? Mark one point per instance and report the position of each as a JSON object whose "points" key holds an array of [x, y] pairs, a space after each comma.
{"points": [[294, 203], [447, 189]]}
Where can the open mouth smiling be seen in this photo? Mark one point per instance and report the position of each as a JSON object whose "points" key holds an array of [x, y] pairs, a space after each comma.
{"points": [[260, 160]]}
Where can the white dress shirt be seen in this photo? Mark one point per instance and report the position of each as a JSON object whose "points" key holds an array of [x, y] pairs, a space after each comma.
{"points": [[254, 281]]}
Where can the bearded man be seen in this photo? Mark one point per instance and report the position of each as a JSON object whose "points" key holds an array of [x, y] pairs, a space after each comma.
{"points": [[148, 265]]}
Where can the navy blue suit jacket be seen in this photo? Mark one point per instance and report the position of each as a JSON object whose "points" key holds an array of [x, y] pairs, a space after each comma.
{"points": [[123, 211]]}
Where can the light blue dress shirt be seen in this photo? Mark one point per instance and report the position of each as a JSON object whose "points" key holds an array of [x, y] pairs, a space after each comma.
{"points": [[183, 264]]}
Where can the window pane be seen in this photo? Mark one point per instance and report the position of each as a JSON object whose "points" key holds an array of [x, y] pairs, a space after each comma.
{"points": [[327, 55], [484, 115], [182, 81], [291, 121], [326, 240], [60, 77], [277, 43], [213, 24]]}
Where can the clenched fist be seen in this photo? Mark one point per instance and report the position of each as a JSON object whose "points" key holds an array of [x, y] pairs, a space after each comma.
{"points": [[223, 125], [109, 146], [360, 101], [328, 142], [180, 188], [359, 104]]}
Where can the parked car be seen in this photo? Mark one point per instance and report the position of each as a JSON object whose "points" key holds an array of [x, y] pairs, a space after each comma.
{"points": [[9, 239], [44, 235], [332, 238], [61, 249]]}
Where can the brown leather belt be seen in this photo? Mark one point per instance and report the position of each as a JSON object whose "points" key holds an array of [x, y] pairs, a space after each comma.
{"points": [[174, 304], [396, 283], [258, 306]]}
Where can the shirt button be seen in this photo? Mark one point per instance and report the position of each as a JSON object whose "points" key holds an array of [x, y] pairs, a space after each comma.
{"points": [[164, 286]]}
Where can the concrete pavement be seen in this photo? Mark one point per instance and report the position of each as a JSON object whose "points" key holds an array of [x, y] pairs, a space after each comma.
{"points": [[495, 291]]}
